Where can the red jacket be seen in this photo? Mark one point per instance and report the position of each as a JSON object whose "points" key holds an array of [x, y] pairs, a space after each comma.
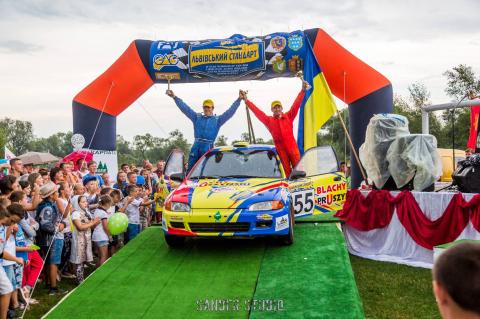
{"points": [[281, 127]]}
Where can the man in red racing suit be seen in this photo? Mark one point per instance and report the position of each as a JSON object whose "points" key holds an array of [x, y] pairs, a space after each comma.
{"points": [[280, 126]]}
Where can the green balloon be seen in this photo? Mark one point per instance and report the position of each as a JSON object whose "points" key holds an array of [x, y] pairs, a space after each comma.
{"points": [[117, 223]]}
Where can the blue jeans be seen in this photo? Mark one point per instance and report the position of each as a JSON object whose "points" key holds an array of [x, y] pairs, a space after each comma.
{"points": [[55, 254], [132, 231]]}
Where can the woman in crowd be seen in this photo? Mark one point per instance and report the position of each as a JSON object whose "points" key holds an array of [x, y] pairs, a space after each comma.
{"points": [[82, 235]]}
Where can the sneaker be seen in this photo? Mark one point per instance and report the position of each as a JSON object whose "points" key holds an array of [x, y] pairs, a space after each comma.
{"points": [[68, 275], [33, 301], [57, 291]]}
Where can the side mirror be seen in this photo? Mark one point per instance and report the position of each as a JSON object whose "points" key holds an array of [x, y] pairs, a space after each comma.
{"points": [[177, 177], [297, 174]]}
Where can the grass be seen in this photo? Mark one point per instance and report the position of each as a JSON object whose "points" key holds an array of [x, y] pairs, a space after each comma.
{"points": [[393, 291], [46, 302], [387, 290]]}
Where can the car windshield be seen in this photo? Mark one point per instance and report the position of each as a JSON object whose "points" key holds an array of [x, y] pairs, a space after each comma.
{"points": [[238, 164]]}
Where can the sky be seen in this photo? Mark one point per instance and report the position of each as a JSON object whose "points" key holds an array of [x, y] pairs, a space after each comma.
{"points": [[50, 50]]}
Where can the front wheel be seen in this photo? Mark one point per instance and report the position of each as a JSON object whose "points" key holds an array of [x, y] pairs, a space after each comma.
{"points": [[175, 241]]}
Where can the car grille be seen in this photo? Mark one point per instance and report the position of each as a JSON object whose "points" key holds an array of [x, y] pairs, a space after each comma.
{"points": [[177, 224], [219, 227]]}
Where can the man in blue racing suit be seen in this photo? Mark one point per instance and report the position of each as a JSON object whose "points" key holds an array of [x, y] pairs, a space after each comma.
{"points": [[205, 126]]}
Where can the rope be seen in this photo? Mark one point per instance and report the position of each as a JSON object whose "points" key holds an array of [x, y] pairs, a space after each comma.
{"points": [[153, 119], [68, 202]]}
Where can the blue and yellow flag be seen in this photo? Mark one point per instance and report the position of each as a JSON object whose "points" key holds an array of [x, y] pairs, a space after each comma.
{"points": [[317, 106]]}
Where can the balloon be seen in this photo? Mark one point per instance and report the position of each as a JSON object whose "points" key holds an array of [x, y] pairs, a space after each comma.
{"points": [[117, 223]]}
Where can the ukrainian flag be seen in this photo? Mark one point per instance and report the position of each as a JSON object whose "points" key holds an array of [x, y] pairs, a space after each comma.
{"points": [[317, 106]]}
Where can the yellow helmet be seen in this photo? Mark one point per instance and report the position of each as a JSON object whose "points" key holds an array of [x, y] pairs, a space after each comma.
{"points": [[275, 103], [208, 103]]}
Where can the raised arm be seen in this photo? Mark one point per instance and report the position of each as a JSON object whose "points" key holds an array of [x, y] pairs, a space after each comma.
{"points": [[258, 113], [229, 113], [187, 110], [292, 113]]}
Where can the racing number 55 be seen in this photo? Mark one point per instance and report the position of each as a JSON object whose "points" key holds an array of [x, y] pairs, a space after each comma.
{"points": [[303, 202]]}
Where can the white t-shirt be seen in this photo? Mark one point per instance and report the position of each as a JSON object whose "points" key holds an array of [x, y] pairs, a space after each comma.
{"points": [[133, 210], [66, 220], [3, 234], [99, 233], [111, 211], [10, 248]]}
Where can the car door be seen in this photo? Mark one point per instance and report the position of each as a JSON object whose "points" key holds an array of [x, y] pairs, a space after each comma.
{"points": [[175, 165], [323, 188]]}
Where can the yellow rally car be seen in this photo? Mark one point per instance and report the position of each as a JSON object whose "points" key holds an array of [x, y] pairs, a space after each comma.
{"points": [[242, 191]]}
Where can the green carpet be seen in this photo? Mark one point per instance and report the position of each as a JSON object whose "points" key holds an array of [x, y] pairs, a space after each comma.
{"points": [[217, 278], [146, 279], [312, 278]]}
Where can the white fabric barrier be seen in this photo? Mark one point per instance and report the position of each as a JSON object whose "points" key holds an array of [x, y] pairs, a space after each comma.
{"points": [[394, 244]]}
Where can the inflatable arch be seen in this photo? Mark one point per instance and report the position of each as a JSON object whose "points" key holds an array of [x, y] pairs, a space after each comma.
{"points": [[145, 63]]}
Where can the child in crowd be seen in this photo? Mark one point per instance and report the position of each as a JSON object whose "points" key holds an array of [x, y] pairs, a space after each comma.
{"points": [[91, 185], [159, 197], [6, 287], [51, 227], [101, 234], [13, 267], [78, 189], [131, 206], [45, 175], [32, 269], [121, 181], [65, 207], [117, 240], [82, 235]]}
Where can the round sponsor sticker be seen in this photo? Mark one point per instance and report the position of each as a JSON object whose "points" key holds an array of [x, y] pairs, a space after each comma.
{"points": [[278, 43]]}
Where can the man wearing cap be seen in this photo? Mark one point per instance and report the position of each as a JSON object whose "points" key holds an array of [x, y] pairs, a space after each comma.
{"points": [[280, 126], [205, 126]]}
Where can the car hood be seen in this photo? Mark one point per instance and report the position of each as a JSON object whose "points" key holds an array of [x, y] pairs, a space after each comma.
{"points": [[228, 193]]}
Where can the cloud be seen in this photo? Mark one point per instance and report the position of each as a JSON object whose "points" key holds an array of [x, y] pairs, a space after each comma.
{"points": [[16, 46]]}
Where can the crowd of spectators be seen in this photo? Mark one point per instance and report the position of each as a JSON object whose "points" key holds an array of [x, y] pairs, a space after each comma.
{"points": [[54, 222]]}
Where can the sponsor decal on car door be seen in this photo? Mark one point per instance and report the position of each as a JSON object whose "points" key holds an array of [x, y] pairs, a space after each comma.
{"points": [[323, 189]]}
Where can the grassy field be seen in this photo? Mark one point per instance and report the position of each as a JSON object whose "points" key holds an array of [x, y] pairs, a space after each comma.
{"points": [[394, 291], [387, 290]]}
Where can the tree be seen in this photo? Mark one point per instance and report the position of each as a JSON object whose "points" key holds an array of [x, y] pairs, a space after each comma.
{"points": [[58, 144], [3, 141], [143, 143], [18, 134], [125, 152], [333, 134], [461, 80], [221, 141]]}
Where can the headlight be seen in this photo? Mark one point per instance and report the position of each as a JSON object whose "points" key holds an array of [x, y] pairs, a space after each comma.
{"points": [[270, 205], [178, 207]]}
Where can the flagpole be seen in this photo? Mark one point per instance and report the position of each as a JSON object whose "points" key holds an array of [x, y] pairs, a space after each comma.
{"points": [[352, 147], [344, 127]]}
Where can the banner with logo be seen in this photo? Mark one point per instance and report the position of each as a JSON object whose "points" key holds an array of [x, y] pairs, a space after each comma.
{"points": [[106, 162], [233, 59]]}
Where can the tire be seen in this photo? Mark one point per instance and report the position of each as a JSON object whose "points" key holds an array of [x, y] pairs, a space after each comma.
{"points": [[175, 241], [287, 240]]}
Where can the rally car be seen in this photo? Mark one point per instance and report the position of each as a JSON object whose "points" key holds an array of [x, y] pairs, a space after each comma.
{"points": [[242, 191]]}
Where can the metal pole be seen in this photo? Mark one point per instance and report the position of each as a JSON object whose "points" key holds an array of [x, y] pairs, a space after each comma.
{"points": [[425, 124]]}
